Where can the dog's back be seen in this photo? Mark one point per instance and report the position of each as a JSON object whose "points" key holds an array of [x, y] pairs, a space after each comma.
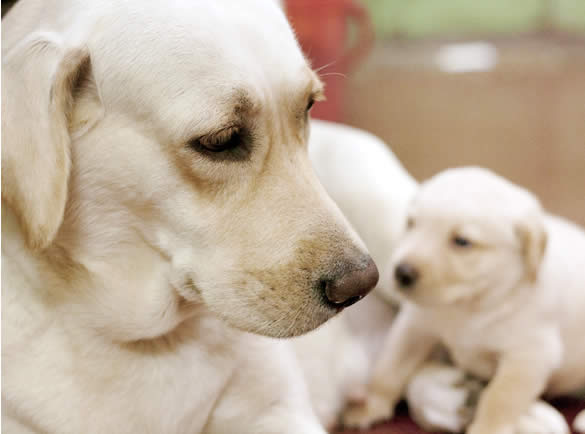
{"points": [[563, 275]]}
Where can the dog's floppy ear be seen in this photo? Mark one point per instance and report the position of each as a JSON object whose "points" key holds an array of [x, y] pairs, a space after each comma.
{"points": [[533, 239], [40, 82]]}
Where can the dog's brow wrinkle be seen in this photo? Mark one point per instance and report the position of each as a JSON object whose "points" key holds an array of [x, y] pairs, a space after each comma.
{"points": [[243, 103]]}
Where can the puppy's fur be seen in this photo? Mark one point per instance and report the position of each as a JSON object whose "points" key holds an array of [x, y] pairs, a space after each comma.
{"points": [[134, 257], [507, 301]]}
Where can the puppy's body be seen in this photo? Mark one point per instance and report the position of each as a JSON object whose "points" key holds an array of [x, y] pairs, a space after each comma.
{"points": [[547, 314], [484, 271]]}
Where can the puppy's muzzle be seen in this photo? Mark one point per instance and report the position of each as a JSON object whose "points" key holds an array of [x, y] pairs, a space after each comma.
{"points": [[350, 287], [406, 275]]}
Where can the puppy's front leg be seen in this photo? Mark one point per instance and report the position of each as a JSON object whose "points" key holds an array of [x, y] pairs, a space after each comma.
{"points": [[520, 379], [407, 346]]}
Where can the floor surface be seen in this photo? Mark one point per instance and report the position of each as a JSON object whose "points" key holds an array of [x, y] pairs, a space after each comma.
{"points": [[402, 424]]}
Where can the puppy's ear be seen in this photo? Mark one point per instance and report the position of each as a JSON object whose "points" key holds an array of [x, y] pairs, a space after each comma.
{"points": [[40, 83], [533, 239]]}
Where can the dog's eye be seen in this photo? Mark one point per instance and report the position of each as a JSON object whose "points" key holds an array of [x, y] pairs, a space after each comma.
{"points": [[460, 241], [310, 104], [221, 141], [410, 223], [230, 144]]}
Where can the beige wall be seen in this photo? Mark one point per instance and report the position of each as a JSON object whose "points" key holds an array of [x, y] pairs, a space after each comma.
{"points": [[525, 118]]}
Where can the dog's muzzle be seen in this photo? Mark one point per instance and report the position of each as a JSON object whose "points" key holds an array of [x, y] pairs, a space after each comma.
{"points": [[406, 275]]}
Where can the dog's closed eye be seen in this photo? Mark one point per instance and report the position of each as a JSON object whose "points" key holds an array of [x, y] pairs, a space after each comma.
{"points": [[461, 241], [232, 143]]}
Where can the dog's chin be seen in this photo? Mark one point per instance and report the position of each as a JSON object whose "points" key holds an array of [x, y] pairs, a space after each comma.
{"points": [[421, 297], [285, 326], [255, 310], [435, 296]]}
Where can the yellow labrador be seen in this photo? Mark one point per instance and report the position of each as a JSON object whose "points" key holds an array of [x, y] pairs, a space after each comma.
{"points": [[158, 205], [485, 271]]}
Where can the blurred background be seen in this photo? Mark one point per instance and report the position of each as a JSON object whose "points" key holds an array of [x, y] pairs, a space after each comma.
{"points": [[496, 83], [446, 83]]}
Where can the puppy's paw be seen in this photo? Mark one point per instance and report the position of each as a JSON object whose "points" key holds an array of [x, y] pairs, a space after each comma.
{"points": [[579, 422], [542, 418], [376, 408], [442, 397]]}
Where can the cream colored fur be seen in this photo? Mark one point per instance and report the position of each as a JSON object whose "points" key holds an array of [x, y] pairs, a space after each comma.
{"points": [[134, 263], [131, 263], [508, 306]]}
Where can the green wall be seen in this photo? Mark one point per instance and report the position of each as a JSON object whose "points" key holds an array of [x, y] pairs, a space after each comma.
{"points": [[417, 18]]}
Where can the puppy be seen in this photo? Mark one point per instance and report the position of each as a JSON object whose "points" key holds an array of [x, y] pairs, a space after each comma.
{"points": [[486, 272], [161, 218]]}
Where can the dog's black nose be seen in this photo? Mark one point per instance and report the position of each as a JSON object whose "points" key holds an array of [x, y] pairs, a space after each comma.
{"points": [[405, 274], [351, 286]]}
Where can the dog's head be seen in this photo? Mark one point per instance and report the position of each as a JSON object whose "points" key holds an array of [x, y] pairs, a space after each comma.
{"points": [[470, 232], [181, 127]]}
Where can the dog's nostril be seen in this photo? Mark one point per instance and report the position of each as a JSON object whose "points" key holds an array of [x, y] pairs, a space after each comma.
{"points": [[323, 285], [406, 275], [350, 287], [352, 300]]}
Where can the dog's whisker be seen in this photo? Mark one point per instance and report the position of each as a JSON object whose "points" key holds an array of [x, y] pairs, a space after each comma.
{"points": [[340, 74], [317, 70]]}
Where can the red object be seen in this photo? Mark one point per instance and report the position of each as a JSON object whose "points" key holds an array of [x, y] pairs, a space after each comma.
{"points": [[322, 28]]}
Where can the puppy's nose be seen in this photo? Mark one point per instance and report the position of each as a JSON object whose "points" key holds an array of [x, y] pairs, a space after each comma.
{"points": [[350, 287], [405, 274]]}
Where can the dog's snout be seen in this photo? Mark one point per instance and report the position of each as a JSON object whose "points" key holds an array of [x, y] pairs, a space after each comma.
{"points": [[406, 275], [350, 287]]}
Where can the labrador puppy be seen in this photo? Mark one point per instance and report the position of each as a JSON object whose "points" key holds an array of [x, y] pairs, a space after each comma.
{"points": [[489, 274], [161, 219]]}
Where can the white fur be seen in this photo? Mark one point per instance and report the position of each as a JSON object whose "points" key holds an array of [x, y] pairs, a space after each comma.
{"points": [[373, 190], [579, 422], [134, 266], [368, 183], [125, 254], [508, 307]]}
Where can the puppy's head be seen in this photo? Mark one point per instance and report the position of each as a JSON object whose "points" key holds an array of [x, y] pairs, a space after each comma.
{"points": [[470, 233], [182, 127]]}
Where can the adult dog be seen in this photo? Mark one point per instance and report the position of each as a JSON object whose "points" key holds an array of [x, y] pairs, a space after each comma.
{"points": [[485, 271], [158, 204]]}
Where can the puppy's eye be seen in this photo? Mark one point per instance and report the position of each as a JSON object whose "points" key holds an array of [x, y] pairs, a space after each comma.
{"points": [[410, 223], [310, 104], [460, 241], [221, 141]]}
